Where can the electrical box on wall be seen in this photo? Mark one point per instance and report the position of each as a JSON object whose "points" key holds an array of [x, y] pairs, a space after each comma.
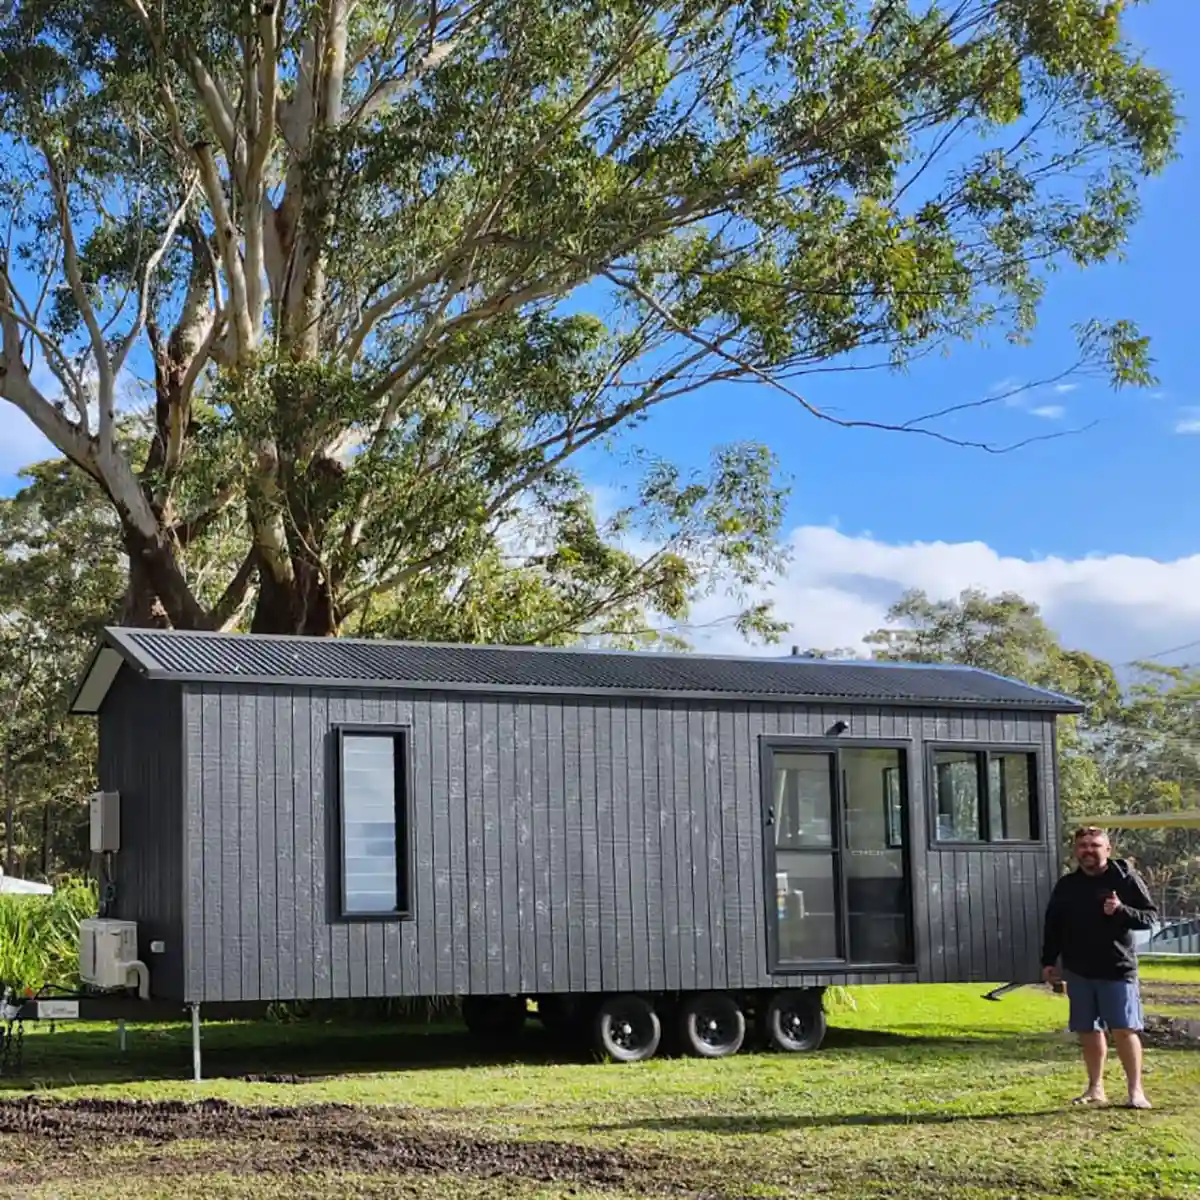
{"points": [[105, 821]]}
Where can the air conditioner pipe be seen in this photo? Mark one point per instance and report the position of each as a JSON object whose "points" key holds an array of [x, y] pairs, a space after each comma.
{"points": [[143, 977]]}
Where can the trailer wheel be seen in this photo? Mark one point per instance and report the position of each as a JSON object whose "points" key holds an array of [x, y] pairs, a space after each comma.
{"points": [[794, 1021], [711, 1025], [626, 1028], [494, 1017]]}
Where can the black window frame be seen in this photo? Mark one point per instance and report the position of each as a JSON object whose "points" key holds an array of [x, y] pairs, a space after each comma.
{"points": [[771, 744], [402, 764], [984, 752]]}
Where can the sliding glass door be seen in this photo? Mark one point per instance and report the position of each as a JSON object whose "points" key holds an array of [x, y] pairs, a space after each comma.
{"points": [[836, 820]]}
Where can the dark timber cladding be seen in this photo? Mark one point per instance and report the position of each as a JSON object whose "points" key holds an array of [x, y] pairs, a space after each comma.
{"points": [[577, 821]]}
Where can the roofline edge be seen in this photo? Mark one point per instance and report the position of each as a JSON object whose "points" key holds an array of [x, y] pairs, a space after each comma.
{"points": [[112, 637], [1065, 707]]}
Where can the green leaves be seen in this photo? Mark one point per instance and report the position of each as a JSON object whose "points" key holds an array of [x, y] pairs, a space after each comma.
{"points": [[431, 256], [1003, 633], [1137, 749]]}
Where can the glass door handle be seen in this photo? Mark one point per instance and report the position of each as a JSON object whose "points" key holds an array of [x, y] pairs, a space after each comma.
{"points": [[770, 815]]}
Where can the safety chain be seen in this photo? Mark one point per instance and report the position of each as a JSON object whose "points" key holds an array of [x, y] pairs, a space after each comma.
{"points": [[12, 1031], [12, 1047]]}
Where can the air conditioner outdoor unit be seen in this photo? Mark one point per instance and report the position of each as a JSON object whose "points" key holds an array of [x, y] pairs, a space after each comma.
{"points": [[108, 956]]}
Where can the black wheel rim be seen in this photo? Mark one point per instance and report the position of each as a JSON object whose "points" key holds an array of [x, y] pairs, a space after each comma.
{"points": [[794, 1023], [715, 1027], [630, 1029]]}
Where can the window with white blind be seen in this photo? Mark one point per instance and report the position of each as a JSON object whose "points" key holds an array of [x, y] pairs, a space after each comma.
{"points": [[373, 821]]}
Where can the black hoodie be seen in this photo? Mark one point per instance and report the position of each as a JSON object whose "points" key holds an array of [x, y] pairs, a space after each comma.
{"points": [[1091, 944]]}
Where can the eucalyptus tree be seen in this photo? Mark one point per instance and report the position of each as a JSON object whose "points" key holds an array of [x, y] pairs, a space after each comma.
{"points": [[391, 270]]}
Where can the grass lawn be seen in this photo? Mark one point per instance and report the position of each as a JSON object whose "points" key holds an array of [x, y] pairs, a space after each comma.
{"points": [[919, 1091]]}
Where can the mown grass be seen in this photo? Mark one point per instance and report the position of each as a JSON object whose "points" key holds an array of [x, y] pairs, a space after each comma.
{"points": [[919, 1091], [1171, 969]]}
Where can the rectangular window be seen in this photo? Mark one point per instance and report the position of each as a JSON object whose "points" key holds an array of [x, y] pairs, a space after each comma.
{"points": [[1010, 797], [983, 795], [956, 775], [893, 807], [374, 823]]}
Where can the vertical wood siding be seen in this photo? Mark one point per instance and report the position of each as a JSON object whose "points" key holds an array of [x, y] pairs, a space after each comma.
{"points": [[558, 846], [141, 744]]}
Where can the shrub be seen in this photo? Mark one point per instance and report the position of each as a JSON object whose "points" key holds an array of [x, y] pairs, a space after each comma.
{"points": [[39, 935]]}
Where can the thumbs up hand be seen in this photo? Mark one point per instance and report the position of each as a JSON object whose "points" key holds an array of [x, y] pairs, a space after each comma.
{"points": [[1111, 904]]}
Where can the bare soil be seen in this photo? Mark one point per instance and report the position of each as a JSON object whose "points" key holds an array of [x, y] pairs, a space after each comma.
{"points": [[68, 1141], [1159, 992], [1181, 1032], [1172, 1033]]}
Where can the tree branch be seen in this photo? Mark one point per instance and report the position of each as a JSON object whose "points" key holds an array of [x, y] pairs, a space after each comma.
{"points": [[221, 118], [232, 604], [152, 264], [185, 532], [230, 252], [17, 387], [751, 369], [262, 92], [104, 371], [58, 362], [389, 91]]}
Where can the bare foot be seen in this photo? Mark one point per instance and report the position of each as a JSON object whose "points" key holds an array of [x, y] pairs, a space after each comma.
{"points": [[1091, 1096], [1138, 1100]]}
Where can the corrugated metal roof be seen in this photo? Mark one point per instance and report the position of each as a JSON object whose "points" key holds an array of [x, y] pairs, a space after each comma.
{"points": [[338, 662]]}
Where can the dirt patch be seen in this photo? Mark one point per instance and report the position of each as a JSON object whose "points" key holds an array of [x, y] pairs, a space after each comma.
{"points": [[1171, 1033], [1171, 993], [299, 1140]]}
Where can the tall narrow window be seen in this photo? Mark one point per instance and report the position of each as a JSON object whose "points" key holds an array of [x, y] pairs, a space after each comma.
{"points": [[374, 824]]}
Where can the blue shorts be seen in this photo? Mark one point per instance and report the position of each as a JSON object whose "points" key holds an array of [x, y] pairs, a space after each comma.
{"points": [[1097, 1004]]}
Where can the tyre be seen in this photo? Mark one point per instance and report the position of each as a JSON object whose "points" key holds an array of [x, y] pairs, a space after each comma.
{"points": [[794, 1021], [494, 1017], [711, 1025], [626, 1028]]}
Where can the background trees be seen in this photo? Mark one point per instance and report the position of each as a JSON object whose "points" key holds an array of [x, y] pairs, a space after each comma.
{"points": [[1136, 749]]}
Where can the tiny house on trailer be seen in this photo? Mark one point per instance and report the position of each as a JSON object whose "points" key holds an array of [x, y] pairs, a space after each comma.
{"points": [[636, 841]]}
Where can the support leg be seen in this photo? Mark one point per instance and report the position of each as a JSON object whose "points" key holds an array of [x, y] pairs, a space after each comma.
{"points": [[196, 1076], [121, 1035]]}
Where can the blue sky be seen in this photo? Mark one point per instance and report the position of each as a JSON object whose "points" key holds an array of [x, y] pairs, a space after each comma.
{"points": [[1102, 529], [1126, 487]]}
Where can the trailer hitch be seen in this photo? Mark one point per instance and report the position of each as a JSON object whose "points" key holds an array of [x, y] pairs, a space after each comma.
{"points": [[1005, 988]]}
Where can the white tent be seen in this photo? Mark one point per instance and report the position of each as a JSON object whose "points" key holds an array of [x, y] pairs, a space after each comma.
{"points": [[10, 885]]}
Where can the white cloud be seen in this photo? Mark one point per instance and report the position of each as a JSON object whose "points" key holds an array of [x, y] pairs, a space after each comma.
{"points": [[839, 587], [1189, 421], [1065, 389], [1049, 412], [1001, 386]]}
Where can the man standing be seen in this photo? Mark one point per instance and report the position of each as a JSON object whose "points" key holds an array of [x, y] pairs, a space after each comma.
{"points": [[1091, 915]]}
